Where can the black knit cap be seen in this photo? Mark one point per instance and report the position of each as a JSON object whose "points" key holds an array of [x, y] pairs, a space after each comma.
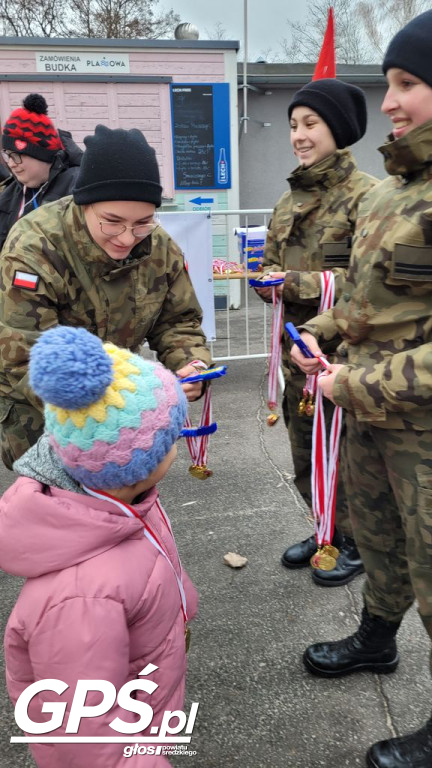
{"points": [[411, 48], [342, 107], [118, 165]]}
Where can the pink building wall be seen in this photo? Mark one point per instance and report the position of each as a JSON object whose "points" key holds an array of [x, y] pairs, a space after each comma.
{"points": [[80, 104]]}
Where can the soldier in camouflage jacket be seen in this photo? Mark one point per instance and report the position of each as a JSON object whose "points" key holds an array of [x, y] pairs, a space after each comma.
{"points": [[58, 267], [384, 317], [310, 232]]}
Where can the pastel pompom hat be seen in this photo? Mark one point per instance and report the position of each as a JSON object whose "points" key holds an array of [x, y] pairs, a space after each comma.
{"points": [[112, 417]]}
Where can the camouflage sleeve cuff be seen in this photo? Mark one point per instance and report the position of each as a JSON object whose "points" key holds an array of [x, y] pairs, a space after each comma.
{"points": [[301, 286], [358, 391], [323, 326], [393, 388], [306, 286]]}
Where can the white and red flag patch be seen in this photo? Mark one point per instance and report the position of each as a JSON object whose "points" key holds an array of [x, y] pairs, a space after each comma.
{"points": [[25, 280]]}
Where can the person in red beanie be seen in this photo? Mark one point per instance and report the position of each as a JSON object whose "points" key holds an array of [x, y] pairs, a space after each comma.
{"points": [[43, 162]]}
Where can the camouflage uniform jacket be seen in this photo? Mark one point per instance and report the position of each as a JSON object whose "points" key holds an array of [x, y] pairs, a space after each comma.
{"points": [[149, 296], [311, 230], [385, 311]]}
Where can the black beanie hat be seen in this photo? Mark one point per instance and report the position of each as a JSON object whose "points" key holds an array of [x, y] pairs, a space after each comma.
{"points": [[411, 48], [118, 165], [341, 106]]}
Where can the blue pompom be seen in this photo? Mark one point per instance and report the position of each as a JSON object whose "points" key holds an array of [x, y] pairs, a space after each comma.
{"points": [[69, 367]]}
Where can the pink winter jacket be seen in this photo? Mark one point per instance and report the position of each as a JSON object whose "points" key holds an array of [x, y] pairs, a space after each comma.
{"points": [[100, 602]]}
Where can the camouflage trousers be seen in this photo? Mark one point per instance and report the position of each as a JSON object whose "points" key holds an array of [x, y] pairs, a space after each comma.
{"points": [[389, 483], [21, 425], [300, 435]]}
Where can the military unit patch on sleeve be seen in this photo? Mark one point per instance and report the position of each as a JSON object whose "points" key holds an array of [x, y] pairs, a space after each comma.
{"points": [[25, 280]]}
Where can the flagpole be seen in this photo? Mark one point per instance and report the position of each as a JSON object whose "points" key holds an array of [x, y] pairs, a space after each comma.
{"points": [[245, 51]]}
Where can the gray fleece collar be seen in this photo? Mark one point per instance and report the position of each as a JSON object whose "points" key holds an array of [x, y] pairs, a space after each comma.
{"points": [[42, 464]]}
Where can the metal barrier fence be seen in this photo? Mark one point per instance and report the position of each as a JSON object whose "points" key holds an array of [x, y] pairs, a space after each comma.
{"points": [[242, 327]]}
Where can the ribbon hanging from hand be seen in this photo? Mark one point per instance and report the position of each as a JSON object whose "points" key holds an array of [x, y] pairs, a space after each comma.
{"points": [[275, 356], [274, 359], [325, 457], [197, 438]]}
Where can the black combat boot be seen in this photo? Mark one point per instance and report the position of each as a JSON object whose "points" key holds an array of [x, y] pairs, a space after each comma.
{"points": [[412, 751], [348, 566], [299, 555], [372, 647]]}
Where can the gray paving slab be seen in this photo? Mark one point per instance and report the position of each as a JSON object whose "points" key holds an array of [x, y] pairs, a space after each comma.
{"points": [[258, 707]]}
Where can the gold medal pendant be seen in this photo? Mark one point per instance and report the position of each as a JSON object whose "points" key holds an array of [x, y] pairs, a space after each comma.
{"points": [[200, 471], [329, 549], [326, 562], [309, 407], [272, 419], [187, 638], [322, 560], [314, 561], [301, 407]]}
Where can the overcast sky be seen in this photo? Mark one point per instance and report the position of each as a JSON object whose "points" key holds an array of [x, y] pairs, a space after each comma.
{"points": [[267, 19]]}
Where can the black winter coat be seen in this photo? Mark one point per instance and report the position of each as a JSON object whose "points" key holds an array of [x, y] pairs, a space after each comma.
{"points": [[61, 181]]}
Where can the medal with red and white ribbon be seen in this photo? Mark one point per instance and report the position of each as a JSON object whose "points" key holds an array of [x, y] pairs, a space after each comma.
{"points": [[325, 456], [275, 355], [197, 438], [324, 477], [306, 405], [155, 540]]}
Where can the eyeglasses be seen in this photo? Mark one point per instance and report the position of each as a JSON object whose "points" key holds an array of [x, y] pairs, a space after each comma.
{"points": [[14, 156], [112, 228]]}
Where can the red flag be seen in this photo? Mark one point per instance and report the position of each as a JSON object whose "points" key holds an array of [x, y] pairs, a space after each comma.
{"points": [[326, 66]]}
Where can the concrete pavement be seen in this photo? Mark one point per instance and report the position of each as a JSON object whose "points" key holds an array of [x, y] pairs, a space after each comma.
{"points": [[258, 707]]}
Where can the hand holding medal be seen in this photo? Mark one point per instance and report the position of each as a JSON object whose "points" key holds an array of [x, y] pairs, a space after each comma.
{"points": [[197, 438]]}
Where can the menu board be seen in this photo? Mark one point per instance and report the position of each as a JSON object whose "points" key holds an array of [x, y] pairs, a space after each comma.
{"points": [[201, 137]]}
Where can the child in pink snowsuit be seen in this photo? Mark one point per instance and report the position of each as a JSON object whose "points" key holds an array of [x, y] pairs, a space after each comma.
{"points": [[105, 594]]}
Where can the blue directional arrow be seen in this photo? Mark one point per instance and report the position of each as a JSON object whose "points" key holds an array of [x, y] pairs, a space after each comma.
{"points": [[201, 200]]}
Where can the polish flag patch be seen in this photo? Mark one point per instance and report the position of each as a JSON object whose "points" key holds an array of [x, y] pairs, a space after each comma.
{"points": [[25, 280]]}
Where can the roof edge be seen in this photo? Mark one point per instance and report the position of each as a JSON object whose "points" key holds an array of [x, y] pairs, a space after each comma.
{"points": [[116, 42]]}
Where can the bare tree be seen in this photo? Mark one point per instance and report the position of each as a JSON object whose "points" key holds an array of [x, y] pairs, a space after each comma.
{"points": [[120, 18], [217, 33], [87, 18], [363, 29], [25, 18], [381, 20], [306, 38]]}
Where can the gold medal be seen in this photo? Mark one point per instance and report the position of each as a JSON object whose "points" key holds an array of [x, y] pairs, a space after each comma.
{"points": [[301, 407], [326, 562], [323, 561], [200, 471], [309, 407], [187, 638], [272, 419], [329, 549]]}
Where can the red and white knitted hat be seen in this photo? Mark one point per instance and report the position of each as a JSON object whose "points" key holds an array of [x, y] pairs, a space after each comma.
{"points": [[29, 130]]}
